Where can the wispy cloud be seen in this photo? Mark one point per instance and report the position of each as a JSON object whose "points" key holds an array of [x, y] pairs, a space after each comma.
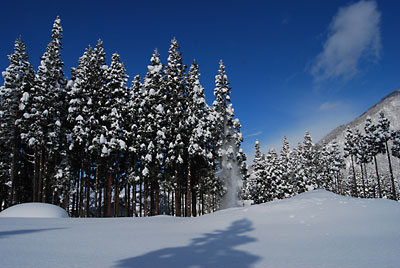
{"points": [[258, 133], [329, 105], [353, 35]]}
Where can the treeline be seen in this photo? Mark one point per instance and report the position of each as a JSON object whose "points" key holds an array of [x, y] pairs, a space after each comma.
{"points": [[97, 147], [309, 166]]}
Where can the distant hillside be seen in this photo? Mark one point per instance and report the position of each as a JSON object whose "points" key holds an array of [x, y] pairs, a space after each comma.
{"points": [[390, 105]]}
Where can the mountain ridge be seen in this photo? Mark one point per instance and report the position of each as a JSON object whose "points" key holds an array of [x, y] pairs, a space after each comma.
{"points": [[390, 105]]}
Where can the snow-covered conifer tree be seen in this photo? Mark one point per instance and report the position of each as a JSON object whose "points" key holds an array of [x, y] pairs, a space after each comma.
{"points": [[385, 134], [229, 137], [46, 102], [18, 83], [286, 168], [177, 136], [350, 149], [376, 147], [257, 183]]}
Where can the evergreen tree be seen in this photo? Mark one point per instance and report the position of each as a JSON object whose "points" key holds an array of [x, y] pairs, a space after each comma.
{"points": [[153, 137], [385, 135], [228, 133], [299, 179], [258, 188], [18, 82], [362, 157], [336, 164], [45, 104], [350, 149], [200, 155], [177, 132], [275, 186], [309, 158], [286, 168], [376, 147]]}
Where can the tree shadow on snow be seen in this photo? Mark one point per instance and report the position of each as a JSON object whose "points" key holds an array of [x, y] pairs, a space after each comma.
{"points": [[25, 231], [215, 249]]}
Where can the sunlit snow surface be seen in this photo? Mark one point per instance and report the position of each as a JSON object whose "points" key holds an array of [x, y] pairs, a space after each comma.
{"points": [[315, 229], [34, 210]]}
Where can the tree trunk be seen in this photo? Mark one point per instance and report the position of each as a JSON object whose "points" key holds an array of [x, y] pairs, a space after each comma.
{"points": [[88, 195], [134, 199], [157, 198], [366, 179], [362, 179], [145, 198], [188, 192], [116, 196], [394, 195], [81, 193], [178, 201], [96, 189], [109, 194], [377, 176], [140, 197], [39, 192], [35, 178], [100, 211], [355, 190], [14, 183], [127, 199]]}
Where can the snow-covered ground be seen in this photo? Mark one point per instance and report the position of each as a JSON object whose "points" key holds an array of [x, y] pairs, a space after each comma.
{"points": [[315, 229]]}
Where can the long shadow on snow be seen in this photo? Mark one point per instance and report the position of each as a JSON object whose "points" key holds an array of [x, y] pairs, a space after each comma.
{"points": [[215, 249], [25, 231]]}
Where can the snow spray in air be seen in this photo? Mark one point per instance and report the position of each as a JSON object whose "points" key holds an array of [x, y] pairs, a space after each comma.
{"points": [[230, 171]]}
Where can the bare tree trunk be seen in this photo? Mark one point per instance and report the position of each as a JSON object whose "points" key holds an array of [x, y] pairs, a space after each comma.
{"points": [[100, 207], [188, 192], [127, 199], [377, 176], [366, 179], [109, 194], [157, 198], [146, 194], [355, 190], [39, 192], [44, 176], [362, 179], [14, 183], [140, 197], [35, 178], [96, 189], [178, 201], [81, 193], [172, 204], [134, 199], [88, 195], [116, 196], [394, 195]]}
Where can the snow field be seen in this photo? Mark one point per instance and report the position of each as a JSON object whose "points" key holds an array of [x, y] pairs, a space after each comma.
{"points": [[314, 229]]}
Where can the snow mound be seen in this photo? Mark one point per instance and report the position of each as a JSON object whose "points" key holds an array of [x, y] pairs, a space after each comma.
{"points": [[34, 210]]}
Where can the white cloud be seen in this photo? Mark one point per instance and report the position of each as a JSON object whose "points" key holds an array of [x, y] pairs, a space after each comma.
{"points": [[354, 34], [329, 105], [258, 133]]}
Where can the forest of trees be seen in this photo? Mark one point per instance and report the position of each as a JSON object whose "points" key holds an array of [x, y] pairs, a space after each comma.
{"points": [[309, 166], [99, 148]]}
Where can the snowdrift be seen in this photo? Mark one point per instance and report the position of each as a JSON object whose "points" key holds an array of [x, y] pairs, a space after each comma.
{"points": [[34, 210], [312, 230]]}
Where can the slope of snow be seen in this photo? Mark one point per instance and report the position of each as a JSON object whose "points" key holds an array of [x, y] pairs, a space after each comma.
{"points": [[34, 210], [315, 229]]}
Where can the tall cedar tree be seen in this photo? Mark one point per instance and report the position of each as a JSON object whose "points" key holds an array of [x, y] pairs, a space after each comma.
{"points": [[376, 147], [385, 135], [18, 83]]}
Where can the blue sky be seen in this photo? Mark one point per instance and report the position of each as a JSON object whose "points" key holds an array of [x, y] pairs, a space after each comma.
{"points": [[293, 65]]}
